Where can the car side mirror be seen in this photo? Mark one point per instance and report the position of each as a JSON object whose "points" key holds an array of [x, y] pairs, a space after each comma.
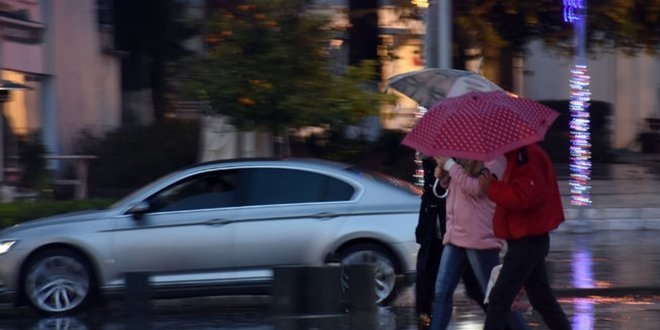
{"points": [[139, 210]]}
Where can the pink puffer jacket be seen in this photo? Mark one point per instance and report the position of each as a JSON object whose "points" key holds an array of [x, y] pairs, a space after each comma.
{"points": [[470, 212]]}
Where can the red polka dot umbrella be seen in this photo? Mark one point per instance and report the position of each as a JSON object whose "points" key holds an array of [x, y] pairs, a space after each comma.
{"points": [[480, 125]]}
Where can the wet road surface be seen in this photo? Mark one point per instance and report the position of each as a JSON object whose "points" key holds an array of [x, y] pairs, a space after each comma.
{"points": [[605, 280], [586, 313]]}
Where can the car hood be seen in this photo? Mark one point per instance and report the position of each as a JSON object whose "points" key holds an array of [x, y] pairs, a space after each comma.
{"points": [[58, 219]]}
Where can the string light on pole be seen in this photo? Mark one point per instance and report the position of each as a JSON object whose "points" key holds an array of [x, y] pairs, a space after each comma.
{"points": [[419, 169], [580, 149], [580, 137]]}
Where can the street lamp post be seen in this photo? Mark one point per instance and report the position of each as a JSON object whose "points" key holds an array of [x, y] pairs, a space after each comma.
{"points": [[437, 39], [445, 32]]}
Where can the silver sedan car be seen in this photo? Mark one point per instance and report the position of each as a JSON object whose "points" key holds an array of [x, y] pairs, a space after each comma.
{"points": [[216, 228]]}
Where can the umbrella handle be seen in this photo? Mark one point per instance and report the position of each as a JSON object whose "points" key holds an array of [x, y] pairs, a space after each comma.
{"points": [[435, 185]]}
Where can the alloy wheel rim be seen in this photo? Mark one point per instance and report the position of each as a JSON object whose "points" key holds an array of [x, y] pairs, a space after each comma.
{"points": [[385, 274], [57, 284]]}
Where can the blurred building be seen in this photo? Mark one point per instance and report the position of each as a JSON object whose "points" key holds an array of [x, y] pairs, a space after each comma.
{"points": [[63, 51], [401, 37], [630, 84]]}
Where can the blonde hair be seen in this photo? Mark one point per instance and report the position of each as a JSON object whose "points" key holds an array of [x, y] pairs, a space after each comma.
{"points": [[472, 167]]}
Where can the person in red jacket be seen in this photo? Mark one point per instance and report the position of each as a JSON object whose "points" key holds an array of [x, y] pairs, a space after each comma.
{"points": [[528, 207]]}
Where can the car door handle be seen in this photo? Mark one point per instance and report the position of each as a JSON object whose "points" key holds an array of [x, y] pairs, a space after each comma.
{"points": [[324, 215], [218, 222]]}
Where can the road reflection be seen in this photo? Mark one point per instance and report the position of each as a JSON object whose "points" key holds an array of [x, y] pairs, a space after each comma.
{"points": [[583, 319], [62, 323], [587, 313]]}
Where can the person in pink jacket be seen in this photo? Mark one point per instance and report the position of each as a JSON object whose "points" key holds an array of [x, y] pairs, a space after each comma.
{"points": [[469, 240]]}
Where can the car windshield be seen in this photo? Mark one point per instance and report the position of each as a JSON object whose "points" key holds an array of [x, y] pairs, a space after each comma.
{"points": [[366, 173], [139, 191], [386, 179]]}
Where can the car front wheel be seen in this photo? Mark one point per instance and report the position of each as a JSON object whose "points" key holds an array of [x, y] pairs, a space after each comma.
{"points": [[57, 281], [384, 264]]}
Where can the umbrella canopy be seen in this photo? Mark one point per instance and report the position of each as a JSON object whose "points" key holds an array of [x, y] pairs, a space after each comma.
{"points": [[430, 86], [480, 125]]}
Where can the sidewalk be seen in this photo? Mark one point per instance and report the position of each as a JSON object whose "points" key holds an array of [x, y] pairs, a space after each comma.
{"points": [[625, 196]]}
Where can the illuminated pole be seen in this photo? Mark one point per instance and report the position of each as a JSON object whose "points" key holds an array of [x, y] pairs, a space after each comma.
{"points": [[575, 12]]}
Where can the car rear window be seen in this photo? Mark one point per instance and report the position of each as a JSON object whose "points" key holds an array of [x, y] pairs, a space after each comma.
{"points": [[265, 186], [386, 179]]}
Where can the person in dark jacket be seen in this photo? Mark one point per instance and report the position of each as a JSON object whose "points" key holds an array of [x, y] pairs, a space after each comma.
{"points": [[528, 207], [428, 233]]}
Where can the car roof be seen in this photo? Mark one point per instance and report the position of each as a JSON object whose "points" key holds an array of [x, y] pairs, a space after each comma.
{"points": [[273, 161], [359, 177]]}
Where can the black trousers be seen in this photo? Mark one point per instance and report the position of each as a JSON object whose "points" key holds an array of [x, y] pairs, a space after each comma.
{"points": [[524, 266]]}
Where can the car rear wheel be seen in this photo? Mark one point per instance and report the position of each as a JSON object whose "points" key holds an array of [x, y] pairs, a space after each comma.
{"points": [[57, 282], [384, 264]]}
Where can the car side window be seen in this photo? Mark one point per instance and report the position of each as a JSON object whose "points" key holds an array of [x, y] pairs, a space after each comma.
{"points": [[204, 191], [264, 186]]}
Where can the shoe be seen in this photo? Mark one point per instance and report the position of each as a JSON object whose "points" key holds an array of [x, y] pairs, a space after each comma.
{"points": [[424, 321]]}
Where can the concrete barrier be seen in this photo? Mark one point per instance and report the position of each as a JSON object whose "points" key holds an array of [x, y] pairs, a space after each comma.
{"points": [[137, 300], [361, 287], [308, 290]]}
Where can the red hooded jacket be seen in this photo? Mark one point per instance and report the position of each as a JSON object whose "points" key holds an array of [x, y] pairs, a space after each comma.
{"points": [[528, 199]]}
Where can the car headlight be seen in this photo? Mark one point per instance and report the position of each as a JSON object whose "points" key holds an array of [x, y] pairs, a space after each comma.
{"points": [[6, 245]]}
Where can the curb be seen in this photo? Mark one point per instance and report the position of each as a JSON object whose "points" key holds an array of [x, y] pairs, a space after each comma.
{"points": [[594, 219], [608, 292]]}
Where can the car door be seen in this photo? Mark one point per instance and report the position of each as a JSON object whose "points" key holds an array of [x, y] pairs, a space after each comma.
{"points": [[186, 237], [288, 218]]}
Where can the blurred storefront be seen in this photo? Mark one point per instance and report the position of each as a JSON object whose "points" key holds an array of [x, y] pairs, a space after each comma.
{"points": [[63, 52], [21, 53]]}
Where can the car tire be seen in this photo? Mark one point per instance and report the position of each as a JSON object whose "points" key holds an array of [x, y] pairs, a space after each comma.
{"points": [[385, 265], [58, 281]]}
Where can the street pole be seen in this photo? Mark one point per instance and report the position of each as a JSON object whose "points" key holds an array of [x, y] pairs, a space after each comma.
{"points": [[437, 54], [431, 35], [444, 34], [437, 38]]}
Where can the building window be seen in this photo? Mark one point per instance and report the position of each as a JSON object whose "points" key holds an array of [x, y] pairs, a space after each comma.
{"points": [[105, 12]]}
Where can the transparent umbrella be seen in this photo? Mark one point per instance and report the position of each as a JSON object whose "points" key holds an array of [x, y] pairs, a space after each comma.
{"points": [[430, 86]]}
